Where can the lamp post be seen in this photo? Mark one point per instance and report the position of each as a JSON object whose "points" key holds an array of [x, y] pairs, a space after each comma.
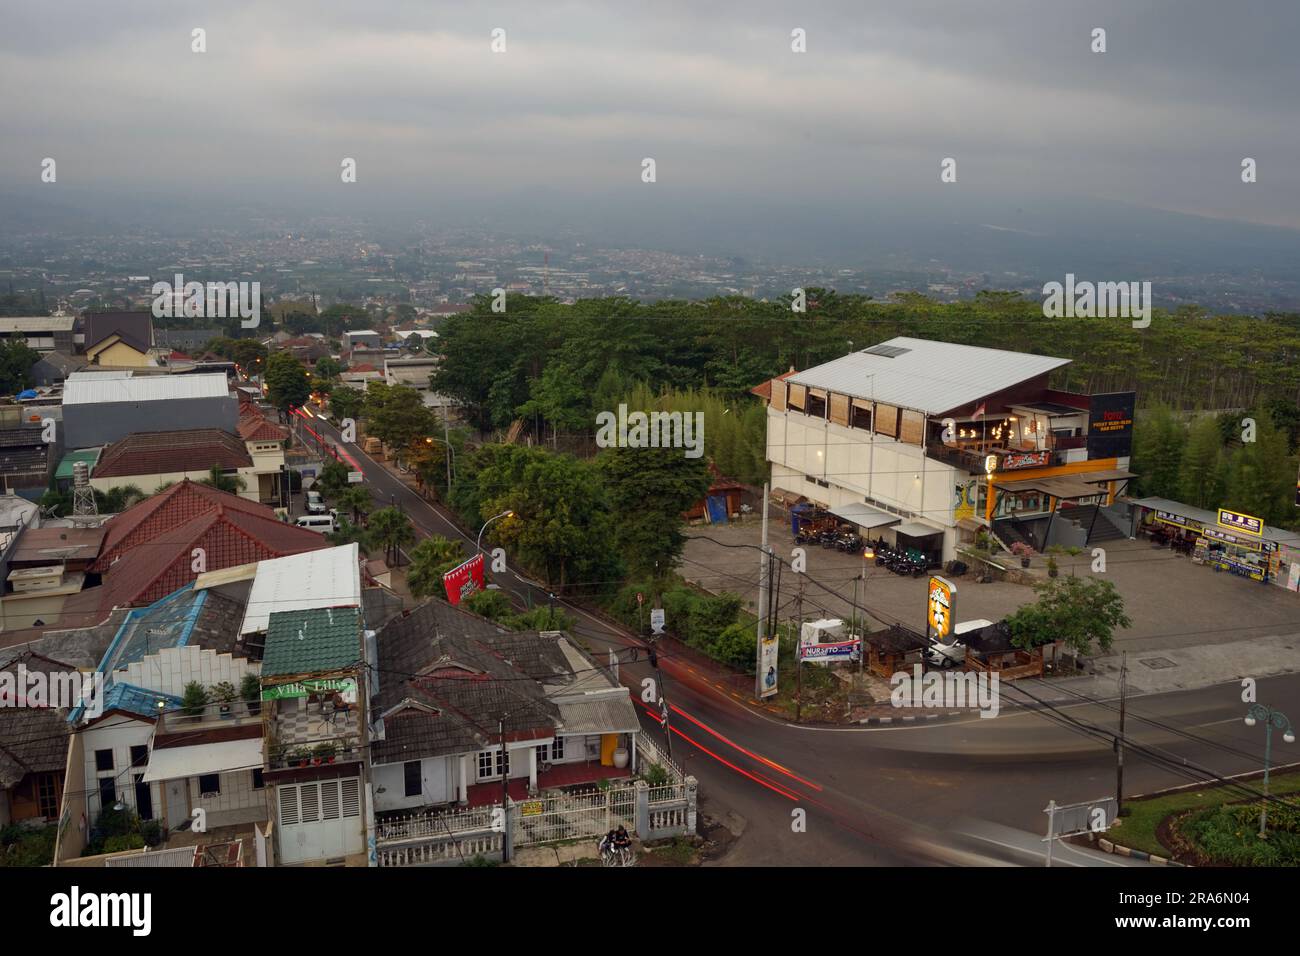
{"points": [[1272, 718], [429, 440], [478, 545]]}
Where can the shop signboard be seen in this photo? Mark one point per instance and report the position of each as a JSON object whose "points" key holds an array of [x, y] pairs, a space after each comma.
{"points": [[1236, 521], [940, 609], [836, 651], [1170, 518], [346, 686], [1110, 425], [1268, 547], [1025, 459]]}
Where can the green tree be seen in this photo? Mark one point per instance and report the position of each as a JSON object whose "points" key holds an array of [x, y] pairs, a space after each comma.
{"points": [[356, 499], [1158, 441], [346, 403], [649, 488], [287, 381], [333, 478], [493, 605], [1262, 475], [397, 415], [223, 482], [1078, 611], [1202, 472], [118, 498], [391, 530], [348, 533], [430, 560], [16, 361], [327, 368]]}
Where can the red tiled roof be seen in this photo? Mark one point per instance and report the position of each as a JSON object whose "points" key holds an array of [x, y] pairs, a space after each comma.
{"points": [[253, 425], [178, 356], [154, 453], [151, 569], [153, 516], [362, 367]]}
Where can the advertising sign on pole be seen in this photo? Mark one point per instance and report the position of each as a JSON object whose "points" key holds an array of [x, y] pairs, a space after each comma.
{"points": [[463, 580], [657, 620], [837, 651], [940, 609], [767, 653]]}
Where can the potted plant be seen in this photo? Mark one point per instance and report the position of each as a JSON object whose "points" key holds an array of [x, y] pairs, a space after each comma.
{"points": [[300, 756], [193, 699], [224, 693], [1052, 569], [1022, 551], [250, 689], [325, 752]]}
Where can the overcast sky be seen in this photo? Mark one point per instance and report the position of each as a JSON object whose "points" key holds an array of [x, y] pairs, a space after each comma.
{"points": [[711, 91]]}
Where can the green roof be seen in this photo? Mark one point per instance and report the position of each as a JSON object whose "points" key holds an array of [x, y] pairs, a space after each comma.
{"points": [[89, 455], [315, 641]]}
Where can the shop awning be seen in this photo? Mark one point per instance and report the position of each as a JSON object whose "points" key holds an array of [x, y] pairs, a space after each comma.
{"points": [[170, 763], [864, 516], [1067, 487], [914, 529]]}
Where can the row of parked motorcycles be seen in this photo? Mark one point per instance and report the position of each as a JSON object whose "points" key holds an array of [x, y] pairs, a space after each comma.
{"points": [[900, 562], [839, 539]]}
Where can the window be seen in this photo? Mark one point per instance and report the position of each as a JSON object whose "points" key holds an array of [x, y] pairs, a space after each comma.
{"points": [[209, 783], [411, 776], [503, 763], [103, 760], [484, 763], [542, 753], [557, 749], [47, 799], [258, 782], [107, 792], [139, 756]]}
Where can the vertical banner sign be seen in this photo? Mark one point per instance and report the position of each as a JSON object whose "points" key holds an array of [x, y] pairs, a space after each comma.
{"points": [[1110, 425], [940, 610], [767, 652], [463, 580]]}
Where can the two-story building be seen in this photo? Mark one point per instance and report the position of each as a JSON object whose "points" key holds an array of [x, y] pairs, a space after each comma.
{"points": [[924, 443]]}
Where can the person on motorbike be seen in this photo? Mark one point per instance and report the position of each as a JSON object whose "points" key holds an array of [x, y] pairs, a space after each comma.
{"points": [[621, 839], [607, 842]]}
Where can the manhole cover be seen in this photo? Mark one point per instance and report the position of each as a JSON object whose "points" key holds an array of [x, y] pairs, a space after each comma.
{"points": [[1156, 663]]}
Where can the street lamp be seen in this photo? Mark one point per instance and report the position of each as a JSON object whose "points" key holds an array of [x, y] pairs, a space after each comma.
{"points": [[478, 545], [429, 440], [1272, 718]]}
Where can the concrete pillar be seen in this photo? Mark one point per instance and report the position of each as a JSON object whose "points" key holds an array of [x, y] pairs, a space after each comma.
{"points": [[692, 791], [641, 822], [463, 761], [532, 768]]}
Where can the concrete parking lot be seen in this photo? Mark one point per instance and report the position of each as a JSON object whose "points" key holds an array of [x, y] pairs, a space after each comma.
{"points": [[1174, 604]]}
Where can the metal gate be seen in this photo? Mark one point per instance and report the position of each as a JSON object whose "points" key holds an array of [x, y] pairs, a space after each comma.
{"points": [[587, 814]]}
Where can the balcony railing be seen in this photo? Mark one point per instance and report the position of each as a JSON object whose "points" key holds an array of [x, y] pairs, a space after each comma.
{"points": [[286, 756], [223, 713]]}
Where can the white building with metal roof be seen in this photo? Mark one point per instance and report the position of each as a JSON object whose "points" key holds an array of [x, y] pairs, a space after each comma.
{"points": [[102, 407], [905, 439]]}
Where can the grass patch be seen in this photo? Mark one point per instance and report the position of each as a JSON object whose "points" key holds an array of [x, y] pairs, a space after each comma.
{"points": [[678, 853], [26, 846], [1142, 817]]}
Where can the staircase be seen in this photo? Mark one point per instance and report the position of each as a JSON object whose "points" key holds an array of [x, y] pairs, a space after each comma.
{"points": [[1007, 531], [1102, 528]]}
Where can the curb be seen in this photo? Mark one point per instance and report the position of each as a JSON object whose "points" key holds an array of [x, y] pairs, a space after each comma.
{"points": [[1108, 846], [927, 718]]}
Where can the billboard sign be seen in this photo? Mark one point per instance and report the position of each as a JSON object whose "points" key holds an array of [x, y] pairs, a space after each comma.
{"points": [[463, 580], [835, 651], [940, 609], [767, 653], [1110, 425], [1236, 521]]}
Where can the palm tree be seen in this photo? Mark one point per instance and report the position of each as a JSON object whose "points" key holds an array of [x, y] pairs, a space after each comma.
{"points": [[356, 499], [392, 529], [223, 482], [349, 533], [430, 560], [119, 498]]}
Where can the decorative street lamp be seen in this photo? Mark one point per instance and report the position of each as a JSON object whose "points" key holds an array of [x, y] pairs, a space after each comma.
{"points": [[1272, 718], [478, 545]]}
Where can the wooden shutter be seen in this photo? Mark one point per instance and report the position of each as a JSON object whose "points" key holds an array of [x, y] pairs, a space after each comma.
{"points": [[778, 394], [912, 428], [839, 409], [797, 399], [352, 797], [886, 420]]}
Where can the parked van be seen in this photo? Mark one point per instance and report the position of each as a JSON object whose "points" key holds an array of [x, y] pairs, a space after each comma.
{"points": [[325, 523]]}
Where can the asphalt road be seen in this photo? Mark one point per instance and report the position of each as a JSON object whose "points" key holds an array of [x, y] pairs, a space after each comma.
{"points": [[966, 792]]}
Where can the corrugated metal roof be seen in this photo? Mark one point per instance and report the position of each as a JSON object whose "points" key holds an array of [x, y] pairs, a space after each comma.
{"points": [[313, 641], [930, 377], [86, 388], [599, 715], [37, 323], [326, 578]]}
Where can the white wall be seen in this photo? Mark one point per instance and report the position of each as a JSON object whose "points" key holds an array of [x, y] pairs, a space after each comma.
{"points": [[117, 733], [439, 778], [169, 670]]}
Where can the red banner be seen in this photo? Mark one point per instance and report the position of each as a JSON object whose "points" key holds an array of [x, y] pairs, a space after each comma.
{"points": [[463, 580]]}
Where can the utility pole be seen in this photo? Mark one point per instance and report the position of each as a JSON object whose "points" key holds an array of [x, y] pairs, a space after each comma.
{"points": [[798, 654], [505, 793], [1119, 741], [763, 572]]}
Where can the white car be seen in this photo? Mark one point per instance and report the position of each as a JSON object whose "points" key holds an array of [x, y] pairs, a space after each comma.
{"points": [[315, 503], [949, 655]]}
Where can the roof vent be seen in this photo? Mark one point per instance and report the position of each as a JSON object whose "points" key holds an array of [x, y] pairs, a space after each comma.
{"points": [[886, 351]]}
